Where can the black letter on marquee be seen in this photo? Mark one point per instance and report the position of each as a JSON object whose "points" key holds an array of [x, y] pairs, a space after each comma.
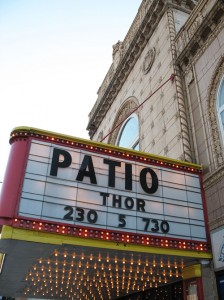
{"points": [[128, 177], [116, 201], [87, 162], [129, 203], [140, 205], [112, 164], [105, 196], [60, 164], [143, 181]]}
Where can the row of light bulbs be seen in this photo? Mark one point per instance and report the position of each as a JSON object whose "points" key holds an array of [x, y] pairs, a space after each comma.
{"points": [[64, 274]]}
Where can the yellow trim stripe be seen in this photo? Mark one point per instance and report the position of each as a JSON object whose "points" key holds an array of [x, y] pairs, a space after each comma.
{"points": [[191, 271], [9, 232], [103, 146]]}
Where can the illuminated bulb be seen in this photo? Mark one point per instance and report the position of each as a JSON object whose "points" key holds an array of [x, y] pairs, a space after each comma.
{"points": [[168, 263], [147, 262], [91, 257], [82, 256], [182, 263], [161, 263], [150, 270], [175, 264], [115, 259], [170, 273], [154, 262], [139, 262], [73, 255], [108, 258]]}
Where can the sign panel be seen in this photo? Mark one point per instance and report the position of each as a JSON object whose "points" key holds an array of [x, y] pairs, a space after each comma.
{"points": [[92, 189], [217, 239]]}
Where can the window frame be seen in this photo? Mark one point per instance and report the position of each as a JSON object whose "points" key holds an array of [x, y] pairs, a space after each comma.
{"points": [[220, 109], [135, 141]]}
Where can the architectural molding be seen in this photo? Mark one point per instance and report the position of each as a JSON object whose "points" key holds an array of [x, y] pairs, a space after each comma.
{"points": [[126, 109], [142, 28], [216, 139], [148, 60], [201, 28], [187, 153], [213, 177]]}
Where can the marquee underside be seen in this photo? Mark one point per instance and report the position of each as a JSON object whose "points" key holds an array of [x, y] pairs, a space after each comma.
{"points": [[41, 265]]}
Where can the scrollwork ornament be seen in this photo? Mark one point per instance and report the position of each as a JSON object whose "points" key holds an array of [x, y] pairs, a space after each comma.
{"points": [[216, 140], [148, 60]]}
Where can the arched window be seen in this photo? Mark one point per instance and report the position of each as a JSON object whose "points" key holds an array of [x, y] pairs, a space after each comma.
{"points": [[128, 136], [220, 106]]}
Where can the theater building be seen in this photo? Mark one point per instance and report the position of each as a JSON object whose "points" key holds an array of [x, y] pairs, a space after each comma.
{"points": [[137, 211], [164, 95]]}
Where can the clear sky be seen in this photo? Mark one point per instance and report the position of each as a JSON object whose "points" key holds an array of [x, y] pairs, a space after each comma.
{"points": [[54, 55]]}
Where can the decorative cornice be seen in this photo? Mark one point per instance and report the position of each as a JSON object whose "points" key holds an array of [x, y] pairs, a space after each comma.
{"points": [[146, 20], [213, 177], [216, 139], [204, 23], [187, 153]]}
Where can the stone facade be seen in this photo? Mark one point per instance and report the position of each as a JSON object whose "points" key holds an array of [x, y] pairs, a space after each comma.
{"points": [[177, 115]]}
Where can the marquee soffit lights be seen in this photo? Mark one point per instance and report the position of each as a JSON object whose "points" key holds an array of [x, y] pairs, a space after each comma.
{"points": [[88, 273], [26, 132]]}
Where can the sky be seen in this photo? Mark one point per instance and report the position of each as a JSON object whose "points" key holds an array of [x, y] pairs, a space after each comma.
{"points": [[54, 55]]}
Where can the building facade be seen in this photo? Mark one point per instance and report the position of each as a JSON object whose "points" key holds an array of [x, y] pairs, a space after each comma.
{"points": [[164, 94]]}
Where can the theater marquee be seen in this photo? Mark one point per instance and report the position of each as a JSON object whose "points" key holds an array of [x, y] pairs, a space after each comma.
{"points": [[92, 189]]}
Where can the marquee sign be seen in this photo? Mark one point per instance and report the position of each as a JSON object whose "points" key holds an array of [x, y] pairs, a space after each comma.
{"points": [[81, 184]]}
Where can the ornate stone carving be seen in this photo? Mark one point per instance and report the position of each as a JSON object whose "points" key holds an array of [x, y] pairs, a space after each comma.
{"points": [[194, 26], [187, 153], [126, 109], [189, 76], [117, 53], [142, 28], [100, 136], [217, 146], [148, 60]]}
